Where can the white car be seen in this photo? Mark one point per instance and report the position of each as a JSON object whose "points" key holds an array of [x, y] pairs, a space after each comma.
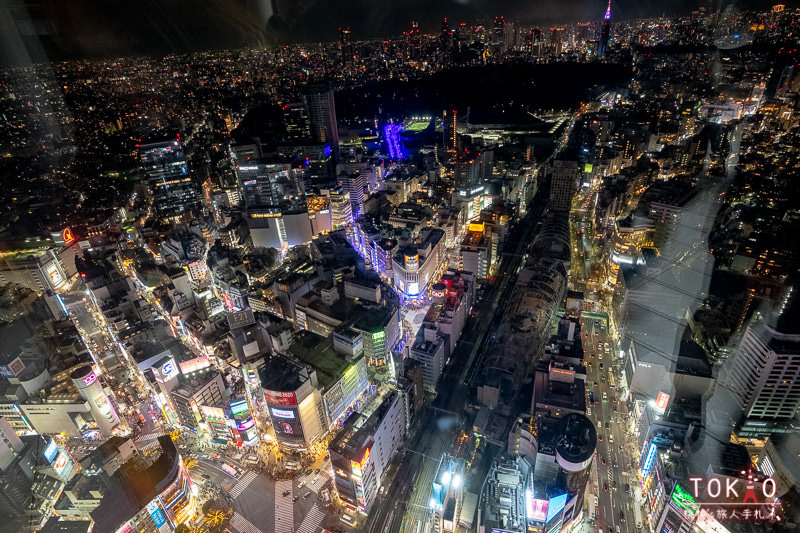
{"points": [[314, 481]]}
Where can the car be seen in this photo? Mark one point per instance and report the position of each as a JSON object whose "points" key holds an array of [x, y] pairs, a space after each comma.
{"points": [[616, 465], [608, 425], [599, 345], [603, 460], [309, 472], [611, 438], [601, 366], [605, 396], [205, 476], [314, 481], [301, 484], [614, 484], [326, 457], [627, 488], [590, 364], [295, 499], [600, 438], [595, 384], [605, 486], [307, 494], [317, 470]]}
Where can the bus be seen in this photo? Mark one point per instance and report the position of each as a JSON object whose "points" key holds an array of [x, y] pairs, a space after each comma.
{"points": [[229, 469], [591, 397], [610, 380]]}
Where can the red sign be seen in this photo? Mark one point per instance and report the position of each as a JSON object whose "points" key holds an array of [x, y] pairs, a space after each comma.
{"points": [[662, 400], [67, 236], [280, 398]]}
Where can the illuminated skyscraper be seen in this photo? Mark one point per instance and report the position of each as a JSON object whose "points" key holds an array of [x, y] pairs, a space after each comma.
{"points": [[321, 108], [168, 176], [450, 139], [346, 46], [605, 32]]}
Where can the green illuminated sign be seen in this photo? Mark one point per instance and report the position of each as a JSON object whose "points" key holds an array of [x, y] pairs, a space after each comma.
{"points": [[378, 336], [588, 167], [685, 501]]}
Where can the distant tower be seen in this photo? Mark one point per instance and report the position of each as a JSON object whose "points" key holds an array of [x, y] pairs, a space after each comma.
{"points": [[444, 36], [346, 46], [450, 138], [605, 32], [321, 109]]}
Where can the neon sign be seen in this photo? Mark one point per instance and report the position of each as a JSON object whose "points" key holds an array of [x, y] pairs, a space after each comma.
{"points": [[358, 468], [67, 236], [88, 380]]}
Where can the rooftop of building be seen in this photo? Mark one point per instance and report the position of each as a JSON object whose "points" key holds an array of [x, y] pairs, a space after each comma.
{"points": [[55, 525], [318, 353], [135, 487], [281, 374], [352, 441]]}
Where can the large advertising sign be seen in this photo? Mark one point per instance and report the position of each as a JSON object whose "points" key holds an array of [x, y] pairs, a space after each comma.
{"points": [[213, 414], [156, 514], [280, 398], [536, 509], [50, 451], [662, 401], [239, 406], [61, 463], [241, 319], [168, 370], [555, 506], [282, 413], [193, 365], [12, 369]]}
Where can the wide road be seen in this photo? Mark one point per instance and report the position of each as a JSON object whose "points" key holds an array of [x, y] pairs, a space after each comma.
{"points": [[615, 465], [404, 507]]}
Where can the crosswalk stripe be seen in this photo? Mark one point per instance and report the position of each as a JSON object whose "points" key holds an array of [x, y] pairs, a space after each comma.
{"points": [[243, 525], [284, 509], [242, 484], [312, 520]]}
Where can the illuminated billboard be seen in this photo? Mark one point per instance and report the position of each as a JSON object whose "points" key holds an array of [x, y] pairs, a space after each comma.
{"points": [[50, 451], [168, 371], [662, 401], [193, 365], [282, 413], [648, 461], [61, 463], [156, 514], [685, 502], [535, 509], [239, 406], [555, 506], [213, 414], [358, 468], [280, 398]]}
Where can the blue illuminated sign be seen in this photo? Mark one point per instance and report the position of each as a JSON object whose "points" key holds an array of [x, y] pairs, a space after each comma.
{"points": [[392, 134], [648, 462], [555, 506], [156, 514], [50, 451]]}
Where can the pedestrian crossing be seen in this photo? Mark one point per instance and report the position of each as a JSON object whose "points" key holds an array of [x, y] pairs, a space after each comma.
{"points": [[284, 508], [312, 520], [242, 484], [243, 525], [147, 446], [149, 436]]}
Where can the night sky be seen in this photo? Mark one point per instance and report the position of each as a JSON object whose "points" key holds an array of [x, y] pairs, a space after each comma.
{"points": [[58, 29]]}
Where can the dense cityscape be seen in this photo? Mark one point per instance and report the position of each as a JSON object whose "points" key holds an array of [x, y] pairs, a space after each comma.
{"points": [[499, 278]]}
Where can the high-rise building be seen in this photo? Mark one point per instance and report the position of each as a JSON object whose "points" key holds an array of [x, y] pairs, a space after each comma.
{"points": [[361, 451], [605, 32], [321, 108], [563, 184], [267, 185], [346, 46], [765, 369], [157, 498], [295, 118], [168, 177], [91, 390], [450, 139]]}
